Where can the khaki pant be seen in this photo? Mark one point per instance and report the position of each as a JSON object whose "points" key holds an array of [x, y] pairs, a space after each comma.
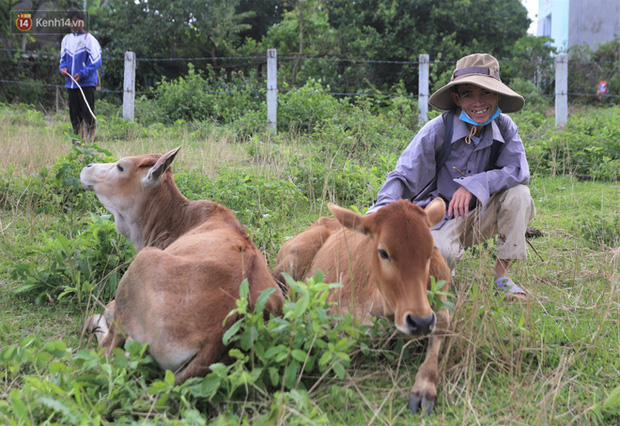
{"points": [[506, 215]]}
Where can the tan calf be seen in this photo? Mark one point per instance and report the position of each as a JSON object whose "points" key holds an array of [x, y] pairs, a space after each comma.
{"points": [[384, 261], [192, 257]]}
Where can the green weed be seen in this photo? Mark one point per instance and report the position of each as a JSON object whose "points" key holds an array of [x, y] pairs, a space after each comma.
{"points": [[91, 264]]}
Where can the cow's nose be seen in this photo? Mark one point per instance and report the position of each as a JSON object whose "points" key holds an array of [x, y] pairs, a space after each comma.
{"points": [[418, 325]]}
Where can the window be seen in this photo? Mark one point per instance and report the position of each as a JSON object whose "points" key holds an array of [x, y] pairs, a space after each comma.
{"points": [[547, 26]]}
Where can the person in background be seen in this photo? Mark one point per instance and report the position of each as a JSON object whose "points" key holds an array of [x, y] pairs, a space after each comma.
{"points": [[474, 159], [80, 57]]}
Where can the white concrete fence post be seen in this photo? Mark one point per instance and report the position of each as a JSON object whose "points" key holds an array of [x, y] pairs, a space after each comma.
{"points": [[129, 86], [423, 88], [272, 90], [561, 90]]}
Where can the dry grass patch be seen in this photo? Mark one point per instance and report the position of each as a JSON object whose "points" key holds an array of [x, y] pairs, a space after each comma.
{"points": [[27, 149]]}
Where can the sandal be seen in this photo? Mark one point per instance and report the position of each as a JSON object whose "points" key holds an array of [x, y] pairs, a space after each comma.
{"points": [[509, 288]]}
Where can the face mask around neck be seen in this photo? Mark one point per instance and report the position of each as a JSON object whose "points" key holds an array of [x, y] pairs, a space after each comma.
{"points": [[467, 119]]}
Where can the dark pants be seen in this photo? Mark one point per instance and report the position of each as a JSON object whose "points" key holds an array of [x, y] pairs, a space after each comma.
{"points": [[82, 120]]}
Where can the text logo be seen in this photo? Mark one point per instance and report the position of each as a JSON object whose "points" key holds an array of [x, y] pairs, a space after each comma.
{"points": [[23, 21]]}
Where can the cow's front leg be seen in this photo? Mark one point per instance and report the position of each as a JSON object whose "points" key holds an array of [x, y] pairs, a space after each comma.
{"points": [[424, 393]]}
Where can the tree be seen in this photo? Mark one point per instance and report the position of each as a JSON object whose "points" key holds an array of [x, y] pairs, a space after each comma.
{"points": [[394, 31], [400, 30], [264, 14], [167, 29]]}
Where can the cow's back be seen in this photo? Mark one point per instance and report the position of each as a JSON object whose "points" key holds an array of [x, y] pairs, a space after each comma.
{"points": [[296, 255], [345, 258], [176, 299]]}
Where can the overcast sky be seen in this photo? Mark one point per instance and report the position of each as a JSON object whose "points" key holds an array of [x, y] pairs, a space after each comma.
{"points": [[532, 11]]}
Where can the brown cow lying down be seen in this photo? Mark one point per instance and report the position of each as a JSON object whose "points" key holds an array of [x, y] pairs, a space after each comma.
{"points": [[383, 261], [192, 258]]}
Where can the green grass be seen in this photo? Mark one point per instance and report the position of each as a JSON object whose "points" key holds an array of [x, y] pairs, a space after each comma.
{"points": [[554, 359]]}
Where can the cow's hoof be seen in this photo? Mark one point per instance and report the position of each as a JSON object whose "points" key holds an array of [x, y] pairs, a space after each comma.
{"points": [[425, 403], [91, 324]]}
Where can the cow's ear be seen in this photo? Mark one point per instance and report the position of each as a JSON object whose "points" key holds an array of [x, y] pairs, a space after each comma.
{"points": [[349, 219], [161, 166], [435, 211]]}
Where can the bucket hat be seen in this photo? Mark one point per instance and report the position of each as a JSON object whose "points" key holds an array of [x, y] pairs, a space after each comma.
{"points": [[480, 69]]}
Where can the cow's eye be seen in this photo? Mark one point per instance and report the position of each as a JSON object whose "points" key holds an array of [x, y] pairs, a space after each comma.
{"points": [[383, 254], [120, 168]]}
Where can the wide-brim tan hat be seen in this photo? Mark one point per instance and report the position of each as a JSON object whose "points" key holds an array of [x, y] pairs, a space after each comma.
{"points": [[480, 69]]}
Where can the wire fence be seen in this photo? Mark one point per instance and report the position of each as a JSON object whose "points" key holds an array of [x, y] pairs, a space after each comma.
{"points": [[36, 79]]}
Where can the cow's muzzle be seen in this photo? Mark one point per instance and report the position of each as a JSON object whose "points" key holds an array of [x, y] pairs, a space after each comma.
{"points": [[420, 325]]}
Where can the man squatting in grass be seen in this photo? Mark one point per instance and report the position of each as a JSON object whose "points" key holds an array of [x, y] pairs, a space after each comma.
{"points": [[485, 197], [80, 57]]}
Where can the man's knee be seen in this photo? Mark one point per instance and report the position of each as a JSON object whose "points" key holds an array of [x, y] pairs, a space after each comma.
{"points": [[518, 199], [519, 195], [451, 250]]}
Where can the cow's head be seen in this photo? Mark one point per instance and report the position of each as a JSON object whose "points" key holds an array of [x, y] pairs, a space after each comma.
{"points": [[124, 186], [400, 266]]}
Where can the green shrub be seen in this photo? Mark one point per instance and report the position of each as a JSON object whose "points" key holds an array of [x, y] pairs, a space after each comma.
{"points": [[307, 106], [22, 114], [60, 187], [79, 388], [349, 184], [118, 128], [106, 109], [205, 95], [304, 340], [57, 189], [92, 263], [533, 98], [261, 204], [286, 353], [588, 146], [149, 111]]}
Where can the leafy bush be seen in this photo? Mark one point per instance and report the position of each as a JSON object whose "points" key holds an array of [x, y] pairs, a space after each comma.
{"points": [[22, 114], [307, 106], [60, 186], [349, 184], [589, 146], [261, 204], [288, 353], [108, 109], [203, 94], [402, 108], [79, 388], [304, 340], [92, 263], [118, 128], [57, 189]]}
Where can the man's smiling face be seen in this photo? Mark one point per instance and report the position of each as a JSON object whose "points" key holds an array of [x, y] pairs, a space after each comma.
{"points": [[477, 102]]}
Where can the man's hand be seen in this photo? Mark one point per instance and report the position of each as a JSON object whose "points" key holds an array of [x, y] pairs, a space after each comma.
{"points": [[64, 71], [76, 77], [459, 204]]}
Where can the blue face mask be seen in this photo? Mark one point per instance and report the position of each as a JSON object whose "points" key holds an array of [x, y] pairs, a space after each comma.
{"points": [[464, 117]]}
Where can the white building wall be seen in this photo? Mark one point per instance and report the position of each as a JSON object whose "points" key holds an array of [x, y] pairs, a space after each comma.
{"points": [[575, 22], [593, 22], [553, 22]]}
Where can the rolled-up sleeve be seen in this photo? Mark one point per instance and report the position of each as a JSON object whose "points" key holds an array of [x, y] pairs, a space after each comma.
{"points": [[510, 169]]}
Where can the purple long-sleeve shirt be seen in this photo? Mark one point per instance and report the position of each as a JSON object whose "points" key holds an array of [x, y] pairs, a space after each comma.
{"points": [[416, 166]]}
